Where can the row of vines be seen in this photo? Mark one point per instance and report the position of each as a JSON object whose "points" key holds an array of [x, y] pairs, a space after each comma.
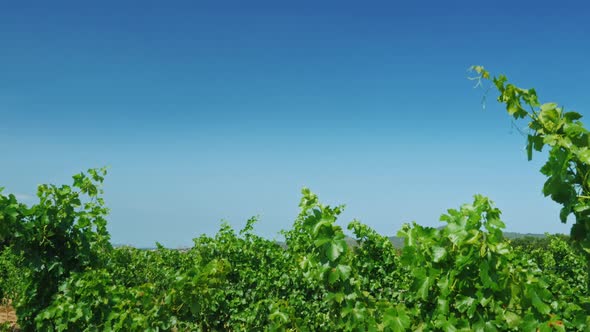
{"points": [[62, 274]]}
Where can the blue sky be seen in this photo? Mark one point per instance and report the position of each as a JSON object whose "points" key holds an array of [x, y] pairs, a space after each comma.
{"points": [[218, 110]]}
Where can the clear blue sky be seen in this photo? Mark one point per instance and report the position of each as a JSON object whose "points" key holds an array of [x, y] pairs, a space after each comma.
{"points": [[210, 110]]}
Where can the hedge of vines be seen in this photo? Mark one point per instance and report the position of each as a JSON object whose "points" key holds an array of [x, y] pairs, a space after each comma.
{"points": [[62, 273]]}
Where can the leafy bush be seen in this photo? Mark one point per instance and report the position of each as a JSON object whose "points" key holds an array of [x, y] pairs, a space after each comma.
{"points": [[62, 234], [466, 275], [10, 275]]}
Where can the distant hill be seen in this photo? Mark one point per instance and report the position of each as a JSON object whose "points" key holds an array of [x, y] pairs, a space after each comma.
{"points": [[512, 235]]}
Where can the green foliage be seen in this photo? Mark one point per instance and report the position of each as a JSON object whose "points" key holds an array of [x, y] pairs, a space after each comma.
{"points": [[64, 233], [568, 166], [466, 276], [10, 275], [91, 301], [378, 262], [327, 261], [566, 272], [528, 243]]}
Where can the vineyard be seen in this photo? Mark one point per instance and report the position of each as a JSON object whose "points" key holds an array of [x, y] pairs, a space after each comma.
{"points": [[60, 272]]}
